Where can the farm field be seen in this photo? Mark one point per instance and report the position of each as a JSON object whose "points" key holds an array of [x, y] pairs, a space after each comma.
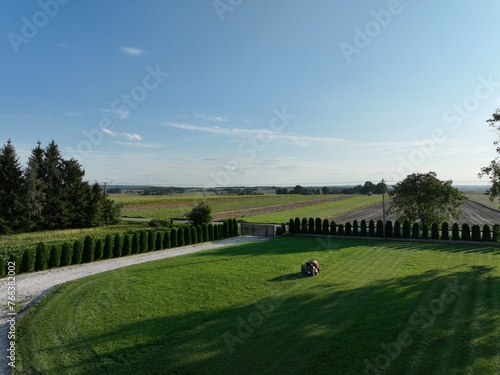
{"points": [[471, 213], [406, 307], [265, 208]]}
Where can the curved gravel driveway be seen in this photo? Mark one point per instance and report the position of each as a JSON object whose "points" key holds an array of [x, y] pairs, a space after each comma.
{"points": [[31, 287]]}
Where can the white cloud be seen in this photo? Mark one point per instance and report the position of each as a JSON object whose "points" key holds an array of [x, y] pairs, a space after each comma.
{"points": [[264, 134], [127, 136], [205, 117], [133, 51]]}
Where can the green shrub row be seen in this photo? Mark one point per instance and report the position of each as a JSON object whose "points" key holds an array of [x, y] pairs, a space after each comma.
{"points": [[465, 232], [90, 249]]}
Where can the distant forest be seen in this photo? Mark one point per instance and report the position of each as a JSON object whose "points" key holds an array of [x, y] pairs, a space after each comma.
{"points": [[366, 189]]}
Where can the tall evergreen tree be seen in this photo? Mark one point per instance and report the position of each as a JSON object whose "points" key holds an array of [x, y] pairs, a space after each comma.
{"points": [[35, 189], [12, 207]]}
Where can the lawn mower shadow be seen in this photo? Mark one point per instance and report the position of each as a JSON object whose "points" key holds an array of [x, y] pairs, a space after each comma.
{"points": [[288, 277]]}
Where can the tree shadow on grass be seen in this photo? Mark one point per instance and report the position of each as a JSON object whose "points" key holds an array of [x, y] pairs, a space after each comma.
{"points": [[303, 329]]}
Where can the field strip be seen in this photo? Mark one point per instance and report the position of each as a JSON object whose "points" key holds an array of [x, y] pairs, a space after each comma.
{"points": [[31, 287]]}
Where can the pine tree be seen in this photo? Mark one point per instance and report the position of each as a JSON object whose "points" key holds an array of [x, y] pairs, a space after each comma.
{"points": [[12, 191], [35, 187]]}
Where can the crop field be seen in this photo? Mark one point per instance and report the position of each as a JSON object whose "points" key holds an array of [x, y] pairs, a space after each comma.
{"points": [[376, 307], [265, 208], [471, 213]]}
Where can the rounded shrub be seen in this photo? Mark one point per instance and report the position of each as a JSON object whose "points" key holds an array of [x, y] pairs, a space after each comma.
{"points": [[348, 229], [151, 240], [88, 249], [389, 232], [434, 231], [455, 232], [194, 233], [55, 256], [476, 233], [108, 247], [465, 232], [310, 226], [17, 258], [199, 233], [3, 267], [363, 232], [425, 231], [204, 230], [173, 236], [225, 229], [303, 226], [99, 249], [159, 240], [77, 252], [127, 245], [66, 254], [210, 228], [28, 262], [415, 231], [486, 233], [296, 225], [180, 236], [187, 236], [136, 243], [166, 240], [380, 228], [118, 246], [143, 241], [291, 224], [318, 226], [230, 230], [397, 229], [333, 228], [371, 228], [355, 228], [340, 230], [236, 232], [406, 229], [326, 227], [445, 231], [496, 230]]}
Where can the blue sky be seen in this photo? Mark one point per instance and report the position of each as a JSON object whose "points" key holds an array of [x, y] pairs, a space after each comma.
{"points": [[261, 92]]}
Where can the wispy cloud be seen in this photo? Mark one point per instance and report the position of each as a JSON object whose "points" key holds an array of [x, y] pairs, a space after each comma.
{"points": [[205, 117], [127, 136], [73, 114], [269, 135], [133, 51]]}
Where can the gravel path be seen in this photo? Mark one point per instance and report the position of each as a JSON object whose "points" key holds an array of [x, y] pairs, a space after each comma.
{"points": [[31, 287]]}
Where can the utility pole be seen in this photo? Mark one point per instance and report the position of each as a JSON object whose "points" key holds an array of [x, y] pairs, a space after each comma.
{"points": [[105, 187], [383, 205]]}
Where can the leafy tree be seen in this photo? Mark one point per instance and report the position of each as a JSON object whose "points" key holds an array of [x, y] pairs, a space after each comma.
{"points": [[380, 188], [493, 170], [12, 191], [424, 198], [201, 214]]}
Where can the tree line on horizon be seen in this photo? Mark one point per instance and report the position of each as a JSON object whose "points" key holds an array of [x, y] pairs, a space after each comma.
{"points": [[49, 193], [366, 189]]}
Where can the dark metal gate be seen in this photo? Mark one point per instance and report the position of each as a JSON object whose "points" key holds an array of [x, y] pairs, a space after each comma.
{"points": [[259, 230]]}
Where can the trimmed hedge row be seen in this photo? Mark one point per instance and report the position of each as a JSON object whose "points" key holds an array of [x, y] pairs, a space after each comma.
{"points": [[44, 256], [398, 230]]}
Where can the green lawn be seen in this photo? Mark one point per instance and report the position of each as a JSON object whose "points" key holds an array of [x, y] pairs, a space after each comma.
{"points": [[416, 308]]}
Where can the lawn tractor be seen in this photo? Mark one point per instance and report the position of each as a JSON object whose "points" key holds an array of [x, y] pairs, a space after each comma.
{"points": [[311, 268]]}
